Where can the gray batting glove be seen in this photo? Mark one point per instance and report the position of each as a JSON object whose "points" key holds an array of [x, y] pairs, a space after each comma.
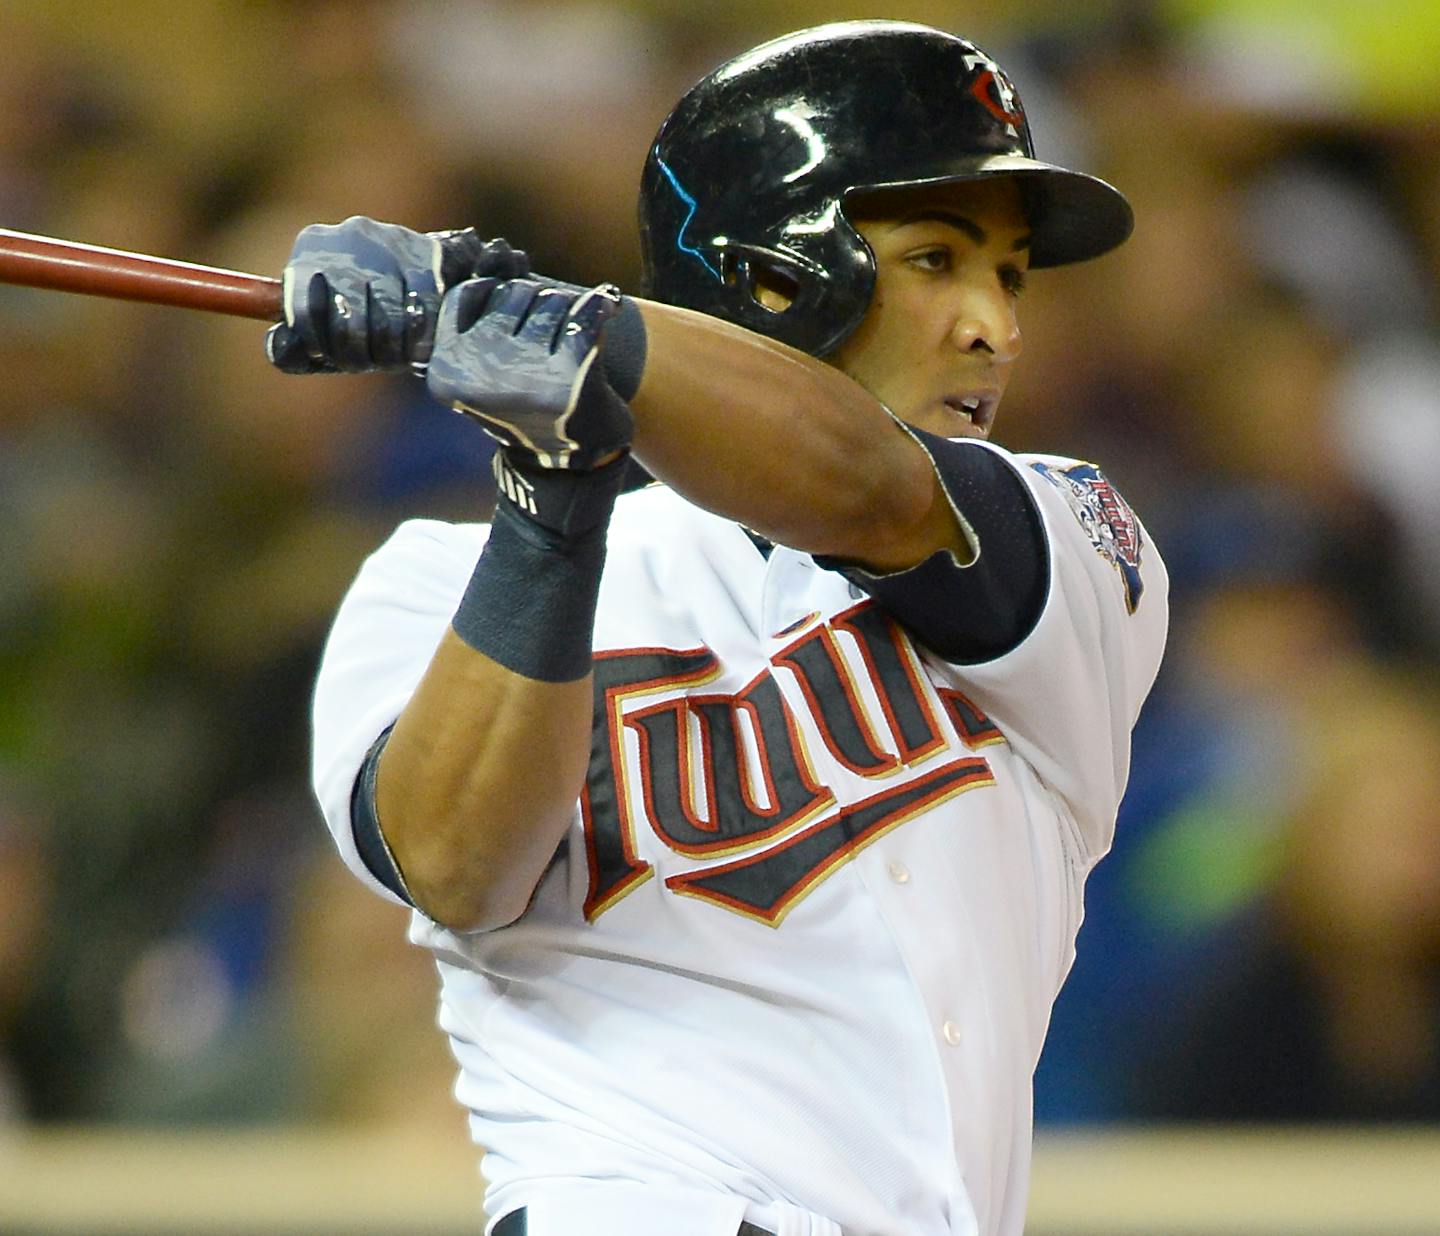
{"points": [[362, 295], [522, 357]]}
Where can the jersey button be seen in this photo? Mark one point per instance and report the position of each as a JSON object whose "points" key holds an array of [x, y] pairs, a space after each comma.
{"points": [[899, 872], [951, 1031]]}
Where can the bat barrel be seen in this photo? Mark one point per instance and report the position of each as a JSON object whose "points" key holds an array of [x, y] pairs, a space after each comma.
{"points": [[62, 265]]}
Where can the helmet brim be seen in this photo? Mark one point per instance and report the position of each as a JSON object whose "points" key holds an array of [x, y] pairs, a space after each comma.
{"points": [[1073, 217]]}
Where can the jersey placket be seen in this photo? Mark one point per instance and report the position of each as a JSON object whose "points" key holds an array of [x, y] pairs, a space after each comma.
{"points": [[918, 898], [936, 936]]}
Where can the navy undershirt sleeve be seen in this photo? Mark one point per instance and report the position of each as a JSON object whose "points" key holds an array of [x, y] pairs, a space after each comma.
{"points": [[365, 825], [981, 611]]}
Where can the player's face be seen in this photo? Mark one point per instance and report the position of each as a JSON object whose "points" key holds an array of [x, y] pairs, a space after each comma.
{"points": [[941, 335]]}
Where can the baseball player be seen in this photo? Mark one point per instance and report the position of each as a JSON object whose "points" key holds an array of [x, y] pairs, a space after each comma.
{"points": [[747, 813]]}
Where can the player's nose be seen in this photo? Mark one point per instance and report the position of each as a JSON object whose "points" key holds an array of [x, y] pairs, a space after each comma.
{"points": [[986, 322]]}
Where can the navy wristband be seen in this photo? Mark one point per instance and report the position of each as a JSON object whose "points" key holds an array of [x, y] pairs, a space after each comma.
{"points": [[530, 605]]}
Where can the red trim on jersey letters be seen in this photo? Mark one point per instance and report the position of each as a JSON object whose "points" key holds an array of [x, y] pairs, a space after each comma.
{"points": [[741, 703], [685, 747], [858, 622], [882, 762], [797, 625], [973, 726], [820, 799], [608, 723]]}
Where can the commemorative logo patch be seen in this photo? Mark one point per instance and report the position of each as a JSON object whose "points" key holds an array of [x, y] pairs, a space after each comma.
{"points": [[1107, 519]]}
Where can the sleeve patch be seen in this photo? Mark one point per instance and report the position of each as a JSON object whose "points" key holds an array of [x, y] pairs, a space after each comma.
{"points": [[1106, 519]]}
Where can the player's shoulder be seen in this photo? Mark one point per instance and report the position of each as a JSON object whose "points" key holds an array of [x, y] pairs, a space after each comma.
{"points": [[654, 516], [441, 531], [1082, 484], [652, 519], [1079, 481], [432, 540], [421, 560], [1039, 459], [1041, 463], [1100, 517]]}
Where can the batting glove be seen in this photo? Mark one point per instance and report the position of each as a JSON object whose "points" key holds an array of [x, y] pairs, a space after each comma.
{"points": [[361, 295], [523, 357]]}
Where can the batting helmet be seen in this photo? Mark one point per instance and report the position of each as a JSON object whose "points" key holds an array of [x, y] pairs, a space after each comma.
{"points": [[749, 174]]}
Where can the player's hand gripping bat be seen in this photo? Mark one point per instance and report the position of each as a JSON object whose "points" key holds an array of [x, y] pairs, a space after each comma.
{"points": [[359, 315]]}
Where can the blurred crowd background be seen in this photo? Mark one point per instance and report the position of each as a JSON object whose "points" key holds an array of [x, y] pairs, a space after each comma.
{"points": [[1258, 370]]}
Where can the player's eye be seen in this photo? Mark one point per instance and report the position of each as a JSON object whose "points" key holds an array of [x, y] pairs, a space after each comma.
{"points": [[934, 260], [1012, 279]]}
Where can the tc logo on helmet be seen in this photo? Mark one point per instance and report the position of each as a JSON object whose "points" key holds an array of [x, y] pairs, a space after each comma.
{"points": [[993, 91]]}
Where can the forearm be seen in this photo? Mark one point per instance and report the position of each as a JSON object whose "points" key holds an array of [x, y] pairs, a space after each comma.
{"points": [[785, 444], [470, 817]]}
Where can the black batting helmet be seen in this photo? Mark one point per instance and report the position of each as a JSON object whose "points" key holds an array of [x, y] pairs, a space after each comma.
{"points": [[750, 172]]}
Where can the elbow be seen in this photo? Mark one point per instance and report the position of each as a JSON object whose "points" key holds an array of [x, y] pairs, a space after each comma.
{"points": [[902, 489], [894, 506], [474, 874], [465, 913], [869, 480], [470, 858], [465, 901]]}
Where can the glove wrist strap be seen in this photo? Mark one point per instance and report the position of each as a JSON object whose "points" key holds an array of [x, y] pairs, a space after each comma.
{"points": [[566, 502], [624, 350]]}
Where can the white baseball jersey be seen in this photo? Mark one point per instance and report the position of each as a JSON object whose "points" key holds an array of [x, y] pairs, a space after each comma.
{"points": [[795, 961]]}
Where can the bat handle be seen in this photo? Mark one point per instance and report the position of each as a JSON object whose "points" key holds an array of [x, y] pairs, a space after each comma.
{"points": [[66, 266]]}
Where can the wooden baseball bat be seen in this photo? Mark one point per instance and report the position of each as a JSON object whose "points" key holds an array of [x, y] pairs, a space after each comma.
{"points": [[65, 266]]}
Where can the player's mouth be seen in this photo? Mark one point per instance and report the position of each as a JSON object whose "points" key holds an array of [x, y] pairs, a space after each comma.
{"points": [[976, 410]]}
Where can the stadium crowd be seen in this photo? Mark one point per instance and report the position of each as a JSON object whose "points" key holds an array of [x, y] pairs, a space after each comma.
{"points": [[1258, 370]]}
